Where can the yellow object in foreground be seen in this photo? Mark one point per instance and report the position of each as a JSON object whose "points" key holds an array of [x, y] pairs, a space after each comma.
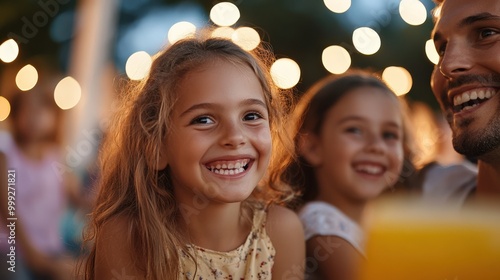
{"points": [[413, 241]]}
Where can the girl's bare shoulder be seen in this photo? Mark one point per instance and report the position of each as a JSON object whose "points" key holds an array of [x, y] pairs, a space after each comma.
{"points": [[114, 250], [287, 235]]}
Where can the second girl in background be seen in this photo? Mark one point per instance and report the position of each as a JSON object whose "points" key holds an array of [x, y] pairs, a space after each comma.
{"points": [[350, 138]]}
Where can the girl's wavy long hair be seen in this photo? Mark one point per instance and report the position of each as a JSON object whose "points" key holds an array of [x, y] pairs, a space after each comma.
{"points": [[130, 183]]}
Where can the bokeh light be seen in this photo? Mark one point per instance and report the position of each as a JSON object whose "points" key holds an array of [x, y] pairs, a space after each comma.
{"points": [[246, 37], [436, 12], [149, 30], [285, 73], [223, 32], [338, 6], [336, 59], [138, 65], [430, 51], [412, 12], [9, 51], [224, 14], [181, 30], [67, 93], [26, 78], [4, 108], [398, 79], [366, 40]]}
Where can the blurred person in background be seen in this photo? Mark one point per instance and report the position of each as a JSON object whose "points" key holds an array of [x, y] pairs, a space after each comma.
{"points": [[432, 136], [442, 175], [31, 147]]}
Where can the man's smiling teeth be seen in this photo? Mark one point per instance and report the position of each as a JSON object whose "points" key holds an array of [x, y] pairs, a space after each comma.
{"points": [[369, 168], [472, 98], [228, 167]]}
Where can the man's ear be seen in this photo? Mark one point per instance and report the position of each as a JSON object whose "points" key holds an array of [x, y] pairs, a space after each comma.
{"points": [[162, 161], [309, 147]]}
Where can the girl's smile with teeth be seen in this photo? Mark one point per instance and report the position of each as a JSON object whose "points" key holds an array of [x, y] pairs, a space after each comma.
{"points": [[372, 169], [228, 167]]}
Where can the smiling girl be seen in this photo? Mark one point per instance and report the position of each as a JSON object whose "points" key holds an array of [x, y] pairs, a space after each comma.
{"points": [[349, 137], [190, 173]]}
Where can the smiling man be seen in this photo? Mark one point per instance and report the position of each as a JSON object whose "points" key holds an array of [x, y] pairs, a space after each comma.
{"points": [[466, 82]]}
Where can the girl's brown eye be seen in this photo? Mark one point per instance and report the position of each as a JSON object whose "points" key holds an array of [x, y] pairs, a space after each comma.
{"points": [[354, 130], [390, 135], [202, 120], [252, 116]]}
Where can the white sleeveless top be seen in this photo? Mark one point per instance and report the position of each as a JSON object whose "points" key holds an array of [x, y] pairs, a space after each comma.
{"points": [[321, 218]]}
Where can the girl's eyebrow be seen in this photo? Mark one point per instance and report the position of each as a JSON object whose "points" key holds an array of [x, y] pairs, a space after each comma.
{"points": [[252, 101], [350, 118], [246, 102], [358, 118], [197, 107]]}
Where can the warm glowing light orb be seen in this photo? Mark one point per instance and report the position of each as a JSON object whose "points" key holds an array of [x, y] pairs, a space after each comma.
{"points": [[9, 51], [285, 73], [366, 40], [430, 51], [223, 32], [26, 78], [4, 108], [67, 93], [224, 14], [336, 59], [412, 12], [138, 65], [338, 6], [181, 30], [398, 79], [436, 12], [246, 37]]}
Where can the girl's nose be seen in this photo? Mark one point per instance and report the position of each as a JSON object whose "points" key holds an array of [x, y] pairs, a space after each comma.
{"points": [[375, 144], [233, 135]]}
